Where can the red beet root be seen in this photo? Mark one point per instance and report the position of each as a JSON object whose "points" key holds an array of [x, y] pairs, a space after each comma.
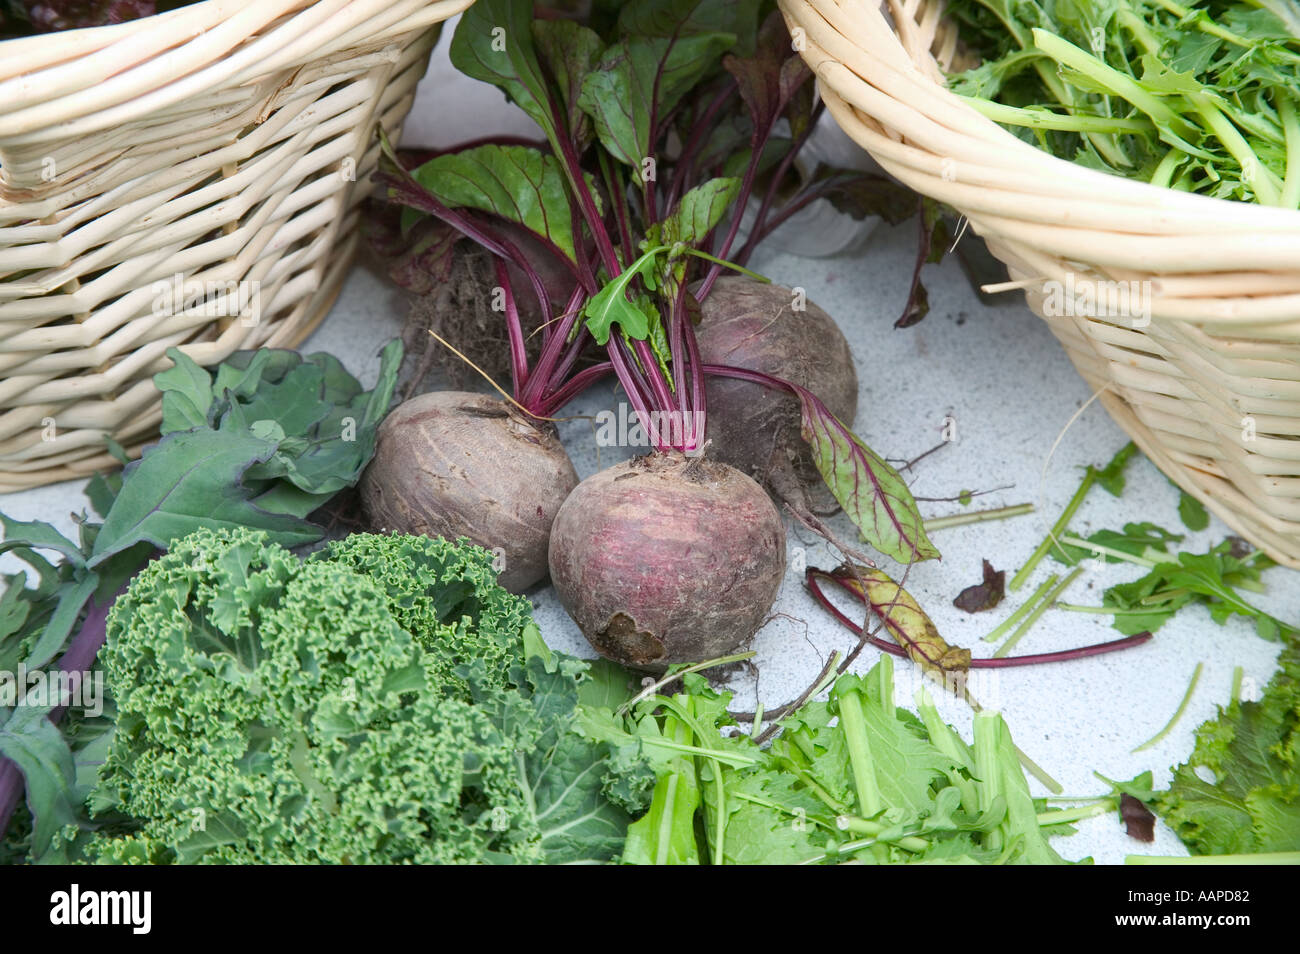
{"points": [[667, 559], [747, 324]]}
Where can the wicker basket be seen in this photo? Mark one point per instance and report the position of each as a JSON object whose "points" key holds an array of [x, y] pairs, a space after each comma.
{"points": [[217, 146], [1203, 370]]}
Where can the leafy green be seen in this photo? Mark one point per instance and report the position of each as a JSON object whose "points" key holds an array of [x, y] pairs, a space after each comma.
{"points": [[871, 492], [280, 435], [377, 703], [517, 183], [668, 18], [700, 209], [1199, 97], [1251, 754], [494, 43], [638, 81], [1210, 578], [851, 779], [1143, 539], [262, 441], [610, 306], [570, 51], [1192, 512], [1111, 476]]}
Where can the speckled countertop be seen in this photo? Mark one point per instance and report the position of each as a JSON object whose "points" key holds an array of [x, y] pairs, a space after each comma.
{"points": [[1009, 389]]}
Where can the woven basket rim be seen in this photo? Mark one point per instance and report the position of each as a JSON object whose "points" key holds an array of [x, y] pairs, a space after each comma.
{"points": [[895, 67], [191, 16]]}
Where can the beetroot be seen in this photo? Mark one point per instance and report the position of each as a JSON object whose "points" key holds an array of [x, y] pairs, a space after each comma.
{"points": [[751, 325], [667, 558], [454, 464]]}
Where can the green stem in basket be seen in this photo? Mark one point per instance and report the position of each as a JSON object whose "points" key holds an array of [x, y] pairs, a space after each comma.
{"points": [[1164, 174], [1039, 610], [1204, 23], [1286, 109], [1257, 175], [1039, 118], [1117, 84]]}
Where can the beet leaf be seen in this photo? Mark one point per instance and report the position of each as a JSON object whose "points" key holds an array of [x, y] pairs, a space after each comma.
{"points": [[517, 183], [871, 492]]}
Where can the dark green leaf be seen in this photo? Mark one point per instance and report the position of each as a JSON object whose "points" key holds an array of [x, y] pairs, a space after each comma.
{"points": [[517, 183], [638, 81], [37, 534], [194, 479], [610, 306], [1192, 512], [570, 51], [493, 43], [42, 755], [187, 393], [699, 211]]}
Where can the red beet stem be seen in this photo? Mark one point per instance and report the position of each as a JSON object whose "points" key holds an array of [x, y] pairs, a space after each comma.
{"points": [[813, 575]]}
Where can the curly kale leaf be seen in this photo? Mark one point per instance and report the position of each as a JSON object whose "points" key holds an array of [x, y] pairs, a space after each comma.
{"points": [[374, 704]]}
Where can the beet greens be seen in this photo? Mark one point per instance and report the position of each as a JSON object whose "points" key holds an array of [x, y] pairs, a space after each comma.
{"points": [[658, 130]]}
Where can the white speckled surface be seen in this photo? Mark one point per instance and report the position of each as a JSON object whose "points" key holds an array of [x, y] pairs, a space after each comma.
{"points": [[1008, 385]]}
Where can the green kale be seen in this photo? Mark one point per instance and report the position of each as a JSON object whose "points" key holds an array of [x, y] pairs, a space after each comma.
{"points": [[385, 701], [260, 441]]}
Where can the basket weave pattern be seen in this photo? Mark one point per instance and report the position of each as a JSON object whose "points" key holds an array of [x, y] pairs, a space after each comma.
{"points": [[1207, 379], [219, 145]]}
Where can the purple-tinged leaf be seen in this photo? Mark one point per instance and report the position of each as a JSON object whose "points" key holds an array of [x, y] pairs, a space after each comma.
{"points": [[670, 18], [770, 78], [494, 43], [517, 183], [638, 81], [1139, 821], [931, 246], [844, 580], [570, 51], [419, 259], [906, 622], [986, 595], [863, 194], [871, 492]]}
